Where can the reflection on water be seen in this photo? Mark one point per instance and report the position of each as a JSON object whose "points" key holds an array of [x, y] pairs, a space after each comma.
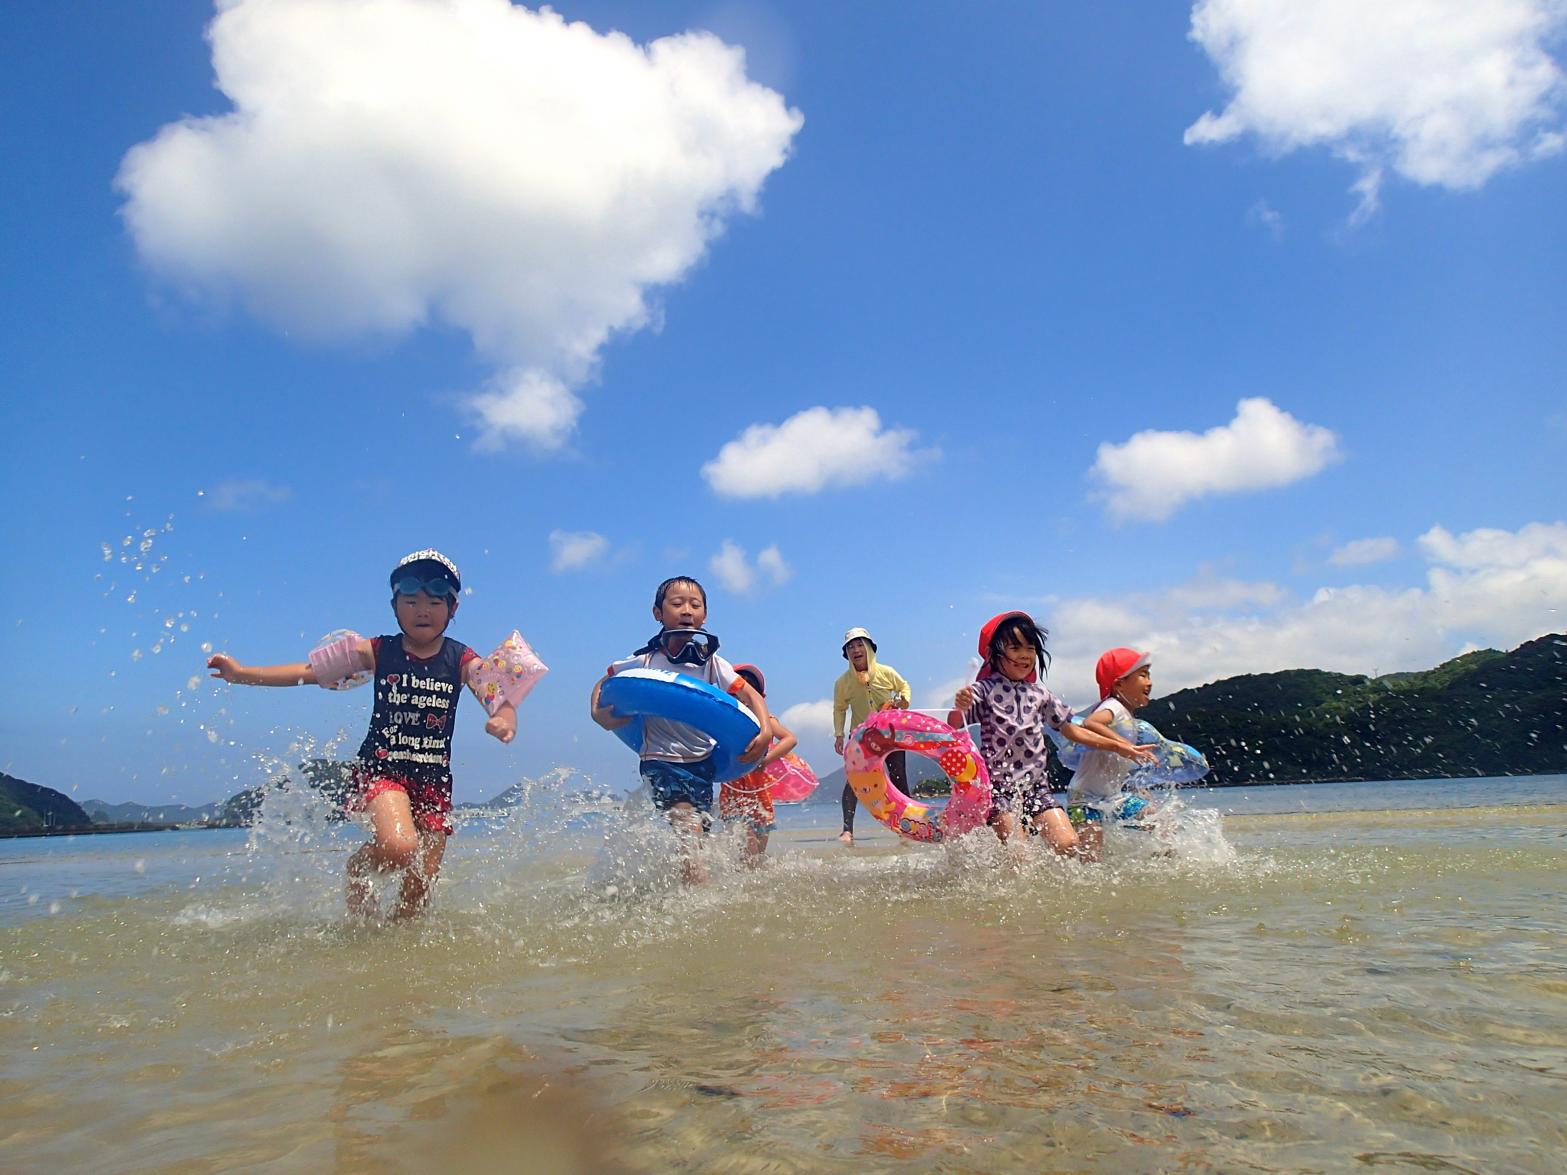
{"points": [[1284, 993]]}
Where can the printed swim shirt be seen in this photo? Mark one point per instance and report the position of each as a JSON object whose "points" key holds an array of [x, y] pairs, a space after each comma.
{"points": [[1012, 717]]}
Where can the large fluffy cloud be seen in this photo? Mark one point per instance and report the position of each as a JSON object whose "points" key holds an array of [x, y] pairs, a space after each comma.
{"points": [[1483, 588], [737, 573], [392, 163], [1154, 473], [812, 450], [1443, 92]]}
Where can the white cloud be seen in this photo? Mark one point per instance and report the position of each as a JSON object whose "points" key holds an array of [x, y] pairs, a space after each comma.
{"points": [[1483, 588], [1360, 552], [574, 549], [1208, 592], [243, 494], [739, 575], [812, 450], [809, 720], [390, 164], [1442, 92], [770, 562], [1154, 473]]}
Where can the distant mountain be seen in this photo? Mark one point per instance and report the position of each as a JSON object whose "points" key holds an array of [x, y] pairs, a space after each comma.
{"points": [[925, 777], [332, 778], [103, 812], [25, 807]]}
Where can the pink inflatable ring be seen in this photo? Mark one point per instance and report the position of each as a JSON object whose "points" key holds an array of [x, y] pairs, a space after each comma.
{"points": [[864, 763]]}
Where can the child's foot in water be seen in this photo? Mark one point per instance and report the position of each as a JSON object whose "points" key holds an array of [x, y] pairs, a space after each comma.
{"points": [[846, 838]]}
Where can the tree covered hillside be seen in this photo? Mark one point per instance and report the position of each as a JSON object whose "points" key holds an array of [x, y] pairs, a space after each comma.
{"points": [[25, 807], [1485, 713]]}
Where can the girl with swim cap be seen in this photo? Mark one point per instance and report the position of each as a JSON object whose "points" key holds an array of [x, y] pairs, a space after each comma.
{"points": [[1012, 707], [677, 763], [402, 778]]}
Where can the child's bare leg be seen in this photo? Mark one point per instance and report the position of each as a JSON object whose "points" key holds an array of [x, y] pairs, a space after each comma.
{"points": [[419, 877], [687, 823], [392, 845], [1004, 824], [755, 846], [1090, 840], [1054, 826]]}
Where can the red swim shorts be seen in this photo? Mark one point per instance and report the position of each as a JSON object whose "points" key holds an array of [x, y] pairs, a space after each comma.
{"points": [[431, 805]]}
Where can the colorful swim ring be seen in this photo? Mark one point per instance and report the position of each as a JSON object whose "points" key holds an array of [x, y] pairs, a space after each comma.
{"points": [[1174, 763], [789, 779], [864, 763], [660, 693]]}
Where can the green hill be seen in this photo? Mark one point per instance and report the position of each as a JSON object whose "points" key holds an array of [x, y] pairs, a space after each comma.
{"points": [[26, 807], [1484, 713]]}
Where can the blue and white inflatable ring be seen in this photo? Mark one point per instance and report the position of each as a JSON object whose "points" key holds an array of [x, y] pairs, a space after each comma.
{"points": [[658, 693]]}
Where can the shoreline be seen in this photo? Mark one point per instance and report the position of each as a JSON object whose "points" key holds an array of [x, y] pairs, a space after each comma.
{"points": [[108, 829]]}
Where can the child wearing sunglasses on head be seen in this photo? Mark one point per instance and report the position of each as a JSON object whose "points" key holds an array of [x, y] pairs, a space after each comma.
{"points": [[403, 778], [677, 763], [1012, 707]]}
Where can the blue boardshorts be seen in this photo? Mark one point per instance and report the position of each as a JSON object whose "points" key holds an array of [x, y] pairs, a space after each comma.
{"points": [[1126, 810], [680, 783]]}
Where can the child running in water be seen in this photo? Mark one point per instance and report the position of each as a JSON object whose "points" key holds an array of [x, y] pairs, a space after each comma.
{"points": [[1097, 792], [1012, 706], [403, 778], [677, 763], [748, 799]]}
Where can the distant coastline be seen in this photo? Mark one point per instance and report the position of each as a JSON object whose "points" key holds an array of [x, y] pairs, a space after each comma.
{"points": [[98, 829]]}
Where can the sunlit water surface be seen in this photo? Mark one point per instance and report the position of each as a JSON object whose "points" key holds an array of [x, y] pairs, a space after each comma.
{"points": [[1320, 978]]}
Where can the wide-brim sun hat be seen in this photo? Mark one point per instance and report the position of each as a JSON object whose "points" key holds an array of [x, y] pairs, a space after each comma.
{"points": [[857, 634], [1116, 664]]}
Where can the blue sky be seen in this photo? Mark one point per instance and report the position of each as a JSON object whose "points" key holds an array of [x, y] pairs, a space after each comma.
{"points": [[1234, 332]]}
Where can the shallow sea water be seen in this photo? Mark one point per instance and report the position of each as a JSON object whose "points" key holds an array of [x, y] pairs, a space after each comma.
{"points": [[1291, 991]]}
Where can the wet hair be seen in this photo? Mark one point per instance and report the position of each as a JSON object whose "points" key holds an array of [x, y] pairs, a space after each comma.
{"points": [[1020, 630], [663, 589], [750, 675]]}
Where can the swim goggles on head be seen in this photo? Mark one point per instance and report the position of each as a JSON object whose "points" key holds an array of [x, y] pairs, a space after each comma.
{"points": [[412, 585], [698, 647]]}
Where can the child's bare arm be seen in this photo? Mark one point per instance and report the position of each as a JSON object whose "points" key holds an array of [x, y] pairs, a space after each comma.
{"points": [[606, 716], [503, 723], [1114, 743], [784, 741], [960, 707], [231, 671], [754, 702]]}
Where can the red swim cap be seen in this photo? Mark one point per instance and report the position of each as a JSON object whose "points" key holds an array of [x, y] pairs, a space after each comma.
{"points": [[988, 634], [1115, 665]]}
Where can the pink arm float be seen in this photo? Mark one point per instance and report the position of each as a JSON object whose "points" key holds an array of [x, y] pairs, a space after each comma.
{"points": [[507, 674]]}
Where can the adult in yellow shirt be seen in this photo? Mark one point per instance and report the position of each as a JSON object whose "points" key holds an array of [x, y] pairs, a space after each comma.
{"points": [[866, 686]]}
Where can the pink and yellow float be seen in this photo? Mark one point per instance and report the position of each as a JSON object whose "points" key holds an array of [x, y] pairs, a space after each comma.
{"points": [[864, 763]]}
